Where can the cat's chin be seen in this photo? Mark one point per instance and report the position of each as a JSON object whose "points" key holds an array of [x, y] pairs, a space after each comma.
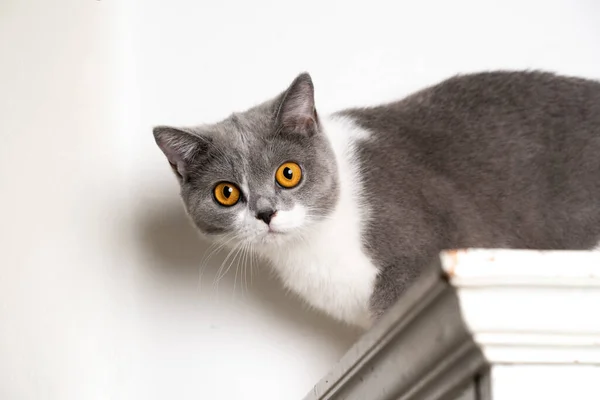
{"points": [[272, 237]]}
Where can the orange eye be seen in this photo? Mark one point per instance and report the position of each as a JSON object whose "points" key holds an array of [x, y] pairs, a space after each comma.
{"points": [[288, 175], [226, 194]]}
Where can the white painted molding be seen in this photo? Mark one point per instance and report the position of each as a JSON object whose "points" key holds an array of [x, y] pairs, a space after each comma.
{"points": [[470, 313], [530, 306]]}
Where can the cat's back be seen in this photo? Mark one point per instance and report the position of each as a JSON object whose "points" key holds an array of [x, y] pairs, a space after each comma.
{"points": [[513, 153], [474, 106]]}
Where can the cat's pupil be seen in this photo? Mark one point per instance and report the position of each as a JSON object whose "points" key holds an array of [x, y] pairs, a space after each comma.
{"points": [[287, 172], [227, 191]]}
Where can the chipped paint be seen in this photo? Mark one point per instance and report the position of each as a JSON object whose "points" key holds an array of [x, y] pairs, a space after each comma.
{"points": [[521, 267], [450, 260]]}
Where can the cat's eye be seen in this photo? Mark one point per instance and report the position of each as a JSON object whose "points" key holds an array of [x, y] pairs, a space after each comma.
{"points": [[226, 194], [288, 175]]}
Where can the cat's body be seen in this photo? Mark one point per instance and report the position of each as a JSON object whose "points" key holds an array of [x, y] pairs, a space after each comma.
{"points": [[496, 160]]}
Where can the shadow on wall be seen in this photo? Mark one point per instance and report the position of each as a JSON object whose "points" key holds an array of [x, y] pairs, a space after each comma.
{"points": [[176, 252]]}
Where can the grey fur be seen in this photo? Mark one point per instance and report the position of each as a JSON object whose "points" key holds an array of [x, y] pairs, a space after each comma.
{"points": [[246, 149], [496, 160], [489, 160]]}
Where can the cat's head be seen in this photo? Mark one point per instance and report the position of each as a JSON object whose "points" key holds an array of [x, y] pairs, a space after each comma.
{"points": [[264, 176]]}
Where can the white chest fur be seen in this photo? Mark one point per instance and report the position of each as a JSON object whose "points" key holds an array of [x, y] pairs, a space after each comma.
{"points": [[330, 270]]}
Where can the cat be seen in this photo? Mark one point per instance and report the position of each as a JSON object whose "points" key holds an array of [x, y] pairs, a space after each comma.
{"points": [[349, 208]]}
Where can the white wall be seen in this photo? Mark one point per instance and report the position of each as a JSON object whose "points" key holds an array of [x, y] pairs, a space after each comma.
{"points": [[98, 275]]}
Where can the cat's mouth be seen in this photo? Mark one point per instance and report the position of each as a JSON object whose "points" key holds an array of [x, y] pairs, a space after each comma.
{"points": [[273, 236]]}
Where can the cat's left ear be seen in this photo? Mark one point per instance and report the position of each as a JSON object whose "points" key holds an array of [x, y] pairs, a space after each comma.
{"points": [[297, 113]]}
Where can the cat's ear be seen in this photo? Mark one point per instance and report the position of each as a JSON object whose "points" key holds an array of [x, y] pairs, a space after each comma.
{"points": [[297, 111], [179, 146]]}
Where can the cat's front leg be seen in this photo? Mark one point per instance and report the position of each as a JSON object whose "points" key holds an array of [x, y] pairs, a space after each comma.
{"points": [[394, 280]]}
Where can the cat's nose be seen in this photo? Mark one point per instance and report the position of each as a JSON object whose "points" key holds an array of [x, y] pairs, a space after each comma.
{"points": [[266, 215]]}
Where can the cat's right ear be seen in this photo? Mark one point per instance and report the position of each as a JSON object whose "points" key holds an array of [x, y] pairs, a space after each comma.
{"points": [[179, 146]]}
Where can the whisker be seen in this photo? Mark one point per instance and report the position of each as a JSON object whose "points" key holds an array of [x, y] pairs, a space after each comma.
{"points": [[245, 269], [237, 267], [215, 248], [251, 257], [219, 275], [237, 249], [240, 253]]}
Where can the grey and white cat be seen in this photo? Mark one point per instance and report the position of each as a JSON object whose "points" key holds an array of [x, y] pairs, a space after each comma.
{"points": [[349, 208]]}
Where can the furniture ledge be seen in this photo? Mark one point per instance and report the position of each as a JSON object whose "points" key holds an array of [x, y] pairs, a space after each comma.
{"points": [[472, 312]]}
